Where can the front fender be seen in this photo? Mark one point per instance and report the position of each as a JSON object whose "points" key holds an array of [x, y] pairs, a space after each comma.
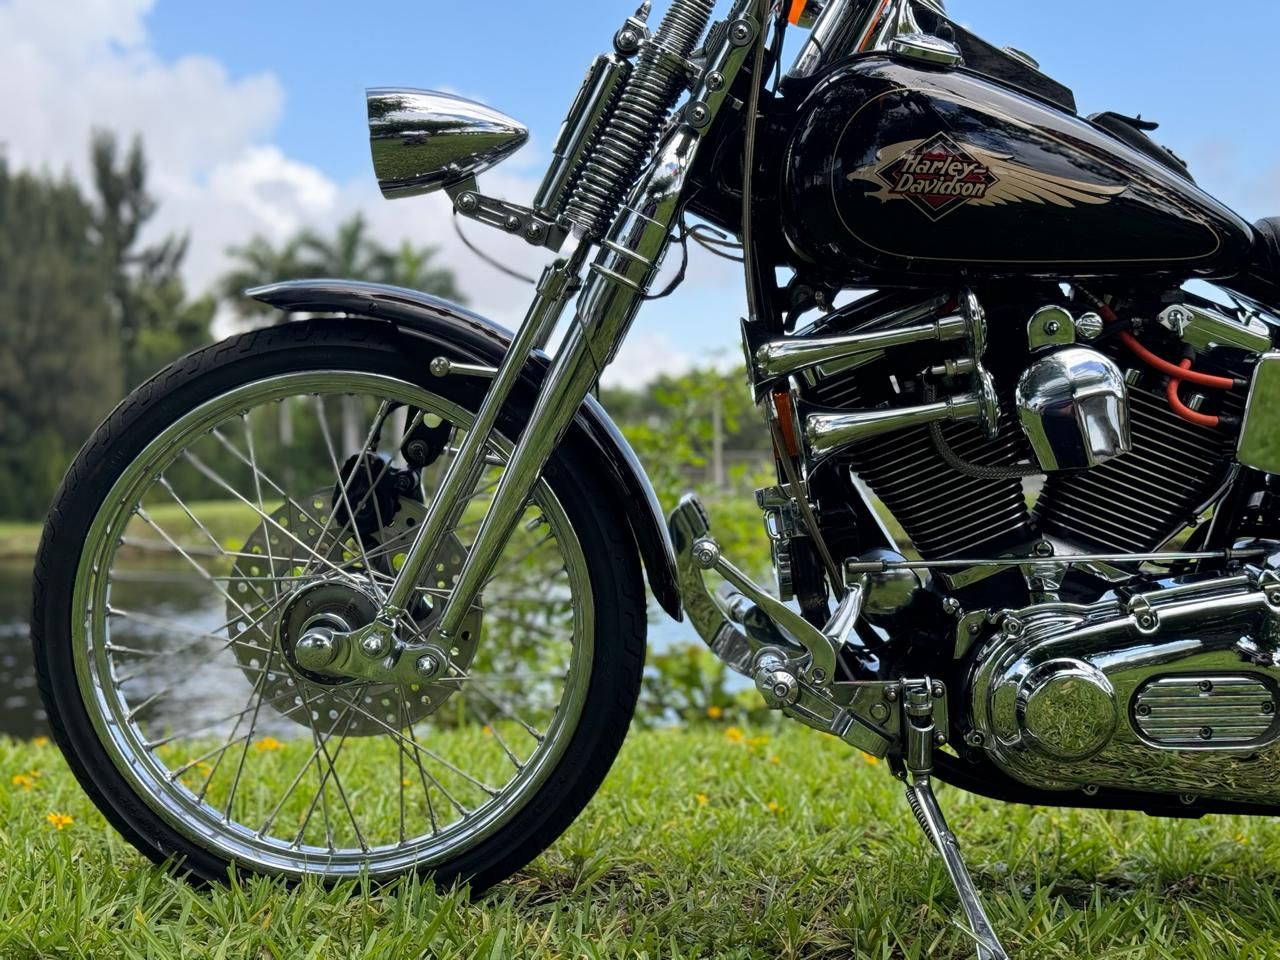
{"points": [[484, 342]]}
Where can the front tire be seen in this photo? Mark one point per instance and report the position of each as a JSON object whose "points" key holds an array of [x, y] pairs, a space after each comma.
{"points": [[173, 797]]}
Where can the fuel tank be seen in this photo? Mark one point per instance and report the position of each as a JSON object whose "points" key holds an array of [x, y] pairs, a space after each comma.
{"points": [[896, 173]]}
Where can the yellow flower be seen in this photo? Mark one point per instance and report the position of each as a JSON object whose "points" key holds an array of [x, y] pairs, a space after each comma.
{"points": [[773, 806], [22, 780], [60, 820], [733, 735], [405, 783], [870, 759], [41, 741], [268, 743], [757, 741], [487, 730], [715, 713], [702, 799], [775, 759]]}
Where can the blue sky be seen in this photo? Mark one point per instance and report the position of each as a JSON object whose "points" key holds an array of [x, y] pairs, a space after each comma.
{"points": [[253, 110]]}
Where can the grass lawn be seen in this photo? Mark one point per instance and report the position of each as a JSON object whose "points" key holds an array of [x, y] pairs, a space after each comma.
{"points": [[701, 844]]}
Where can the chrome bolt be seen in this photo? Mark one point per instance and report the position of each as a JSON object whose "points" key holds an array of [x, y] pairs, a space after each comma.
{"points": [[441, 366], [1187, 799], [940, 738], [706, 553], [1268, 708], [781, 690], [698, 115], [1090, 325], [1206, 686], [627, 41], [468, 203], [715, 81], [741, 33], [513, 223], [1206, 733], [373, 645], [879, 712], [1144, 710], [938, 691], [1147, 621], [1090, 789], [951, 606], [818, 676], [1044, 549], [428, 667], [316, 649], [1012, 627], [975, 738], [891, 695], [1052, 327], [533, 232]]}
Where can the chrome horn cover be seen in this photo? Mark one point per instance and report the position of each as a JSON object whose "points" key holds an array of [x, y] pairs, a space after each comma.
{"points": [[423, 140], [1074, 408]]}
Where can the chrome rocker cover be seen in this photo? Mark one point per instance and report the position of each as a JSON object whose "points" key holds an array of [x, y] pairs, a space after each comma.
{"points": [[1173, 691]]}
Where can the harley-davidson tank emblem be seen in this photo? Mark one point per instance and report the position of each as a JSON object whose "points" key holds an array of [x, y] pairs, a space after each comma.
{"points": [[937, 176], [940, 175]]}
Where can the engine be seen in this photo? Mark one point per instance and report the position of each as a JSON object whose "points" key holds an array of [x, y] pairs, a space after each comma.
{"points": [[961, 490]]}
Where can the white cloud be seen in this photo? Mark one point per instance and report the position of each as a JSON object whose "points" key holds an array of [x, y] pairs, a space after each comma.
{"points": [[70, 66]]}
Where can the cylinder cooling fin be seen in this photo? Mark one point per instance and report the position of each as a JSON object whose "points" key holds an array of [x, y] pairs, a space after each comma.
{"points": [[1136, 502]]}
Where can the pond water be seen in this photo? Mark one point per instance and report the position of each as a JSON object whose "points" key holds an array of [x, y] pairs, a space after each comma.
{"points": [[188, 603]]}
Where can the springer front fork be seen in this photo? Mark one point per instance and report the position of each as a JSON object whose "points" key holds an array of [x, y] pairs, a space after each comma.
{"points": [[616, 284]]}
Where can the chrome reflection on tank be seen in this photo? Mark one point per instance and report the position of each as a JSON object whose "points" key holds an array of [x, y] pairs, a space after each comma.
{"points": [[1083, 696], [423, 140], [1074, 409]]}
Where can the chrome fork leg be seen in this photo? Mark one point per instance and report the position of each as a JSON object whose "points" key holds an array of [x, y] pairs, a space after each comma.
{"points": [[557, 285], [919, 736]]}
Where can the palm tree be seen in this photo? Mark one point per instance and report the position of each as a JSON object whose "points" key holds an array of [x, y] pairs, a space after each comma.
{"points": [[412, 267], [256, 263]]}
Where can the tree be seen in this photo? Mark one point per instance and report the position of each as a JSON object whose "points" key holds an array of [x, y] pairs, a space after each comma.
{"points": [[154, 320], [351, 253], [60, 366]]}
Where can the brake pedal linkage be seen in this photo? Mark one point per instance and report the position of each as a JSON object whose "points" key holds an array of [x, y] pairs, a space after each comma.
{"points": [[919, 734]]}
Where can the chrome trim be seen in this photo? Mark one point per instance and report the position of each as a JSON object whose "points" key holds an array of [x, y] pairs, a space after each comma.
{"points": [[1191, 629], [1259, 443], [828, 431], [778, 358], [1204, 329], [923, 48], [422, 140], [1074, 409]]}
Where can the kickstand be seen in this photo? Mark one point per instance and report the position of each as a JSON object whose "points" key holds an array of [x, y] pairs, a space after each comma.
{"points": [[918, 765]]}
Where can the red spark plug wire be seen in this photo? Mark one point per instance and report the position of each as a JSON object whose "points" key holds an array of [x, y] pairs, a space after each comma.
{"points": [[1181, 409]]}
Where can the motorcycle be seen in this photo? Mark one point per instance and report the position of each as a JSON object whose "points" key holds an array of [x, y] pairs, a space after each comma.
{"points": [[964, 299]]}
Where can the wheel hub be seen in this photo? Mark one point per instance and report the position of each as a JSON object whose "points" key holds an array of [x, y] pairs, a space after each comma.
{"points": [[296, 589]]}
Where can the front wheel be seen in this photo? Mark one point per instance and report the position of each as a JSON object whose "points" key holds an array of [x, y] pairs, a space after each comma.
{"points": [[274, 481]]}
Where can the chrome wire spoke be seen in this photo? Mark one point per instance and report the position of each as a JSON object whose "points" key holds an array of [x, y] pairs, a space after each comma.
{"points": [[229, 520]]}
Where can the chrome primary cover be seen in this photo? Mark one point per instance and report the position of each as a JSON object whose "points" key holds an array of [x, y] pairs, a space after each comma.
{"points": [[1173, 691]]}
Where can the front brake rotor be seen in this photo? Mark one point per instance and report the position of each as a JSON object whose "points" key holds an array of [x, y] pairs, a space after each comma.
{"points": [[292, 569]]}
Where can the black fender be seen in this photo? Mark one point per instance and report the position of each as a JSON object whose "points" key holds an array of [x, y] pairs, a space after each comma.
{"points": [[478, 340]]}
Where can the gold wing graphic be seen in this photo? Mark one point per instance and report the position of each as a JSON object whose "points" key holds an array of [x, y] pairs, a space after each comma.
{"points": [[1014, 182]]}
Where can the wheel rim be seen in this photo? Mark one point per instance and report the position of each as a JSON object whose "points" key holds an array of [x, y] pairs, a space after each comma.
{"points": [[415, 793]]}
